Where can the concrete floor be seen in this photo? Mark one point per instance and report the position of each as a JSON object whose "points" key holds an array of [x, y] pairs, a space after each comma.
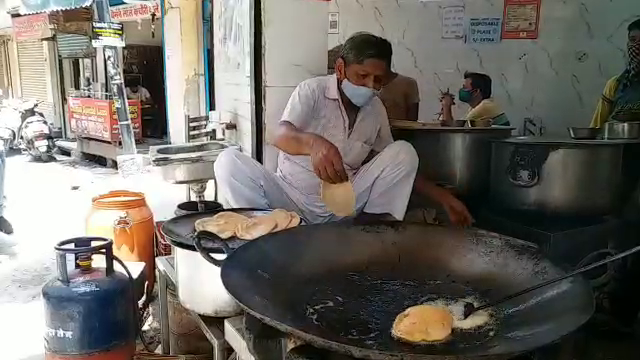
{"points": [[47, 203]]}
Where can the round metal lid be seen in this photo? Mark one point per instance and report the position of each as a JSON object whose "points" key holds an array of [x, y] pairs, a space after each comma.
{"points": [[452, 129], [558, 141]]}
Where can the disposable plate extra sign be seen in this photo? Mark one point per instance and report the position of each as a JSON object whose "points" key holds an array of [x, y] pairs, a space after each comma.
{"points": [[484, 30]]}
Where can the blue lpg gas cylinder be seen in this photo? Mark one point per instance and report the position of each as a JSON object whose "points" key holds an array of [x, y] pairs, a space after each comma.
{"points": [[90, 313]]}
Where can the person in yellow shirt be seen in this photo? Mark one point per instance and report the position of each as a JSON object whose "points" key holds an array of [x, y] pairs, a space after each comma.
{"points": [[620, 100], [476, 92]]}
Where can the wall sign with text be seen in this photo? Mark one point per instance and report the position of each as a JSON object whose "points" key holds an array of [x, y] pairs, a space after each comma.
{"points": [[453, 22], [484, 30], [334, 23], [31, 27], [135, 11], [521, 19], [107, 34]]}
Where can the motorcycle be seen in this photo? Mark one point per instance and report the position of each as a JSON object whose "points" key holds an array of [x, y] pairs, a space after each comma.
{"points": [[33, 134]]}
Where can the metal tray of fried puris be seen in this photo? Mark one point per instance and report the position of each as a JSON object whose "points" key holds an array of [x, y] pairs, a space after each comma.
{"points": [[180, 231]]}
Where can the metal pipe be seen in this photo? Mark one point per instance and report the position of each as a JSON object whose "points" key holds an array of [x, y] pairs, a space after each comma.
{"points": [[116, 79]]}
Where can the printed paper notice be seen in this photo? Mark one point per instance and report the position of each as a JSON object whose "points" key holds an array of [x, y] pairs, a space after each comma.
{"points": [[334, 23], [521, 19], [453, 22], [484, 30]]}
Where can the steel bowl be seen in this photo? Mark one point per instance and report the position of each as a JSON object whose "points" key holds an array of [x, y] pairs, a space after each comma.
{"points": [[481, 123], [621, 130], [583, 133], [455, 123]]}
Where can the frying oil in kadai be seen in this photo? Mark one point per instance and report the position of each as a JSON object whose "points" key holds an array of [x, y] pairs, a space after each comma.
{"points": [[456, 307]]}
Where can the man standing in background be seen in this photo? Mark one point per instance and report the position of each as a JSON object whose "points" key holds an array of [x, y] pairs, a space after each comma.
{"points": [[620, 100], [399, 94]]}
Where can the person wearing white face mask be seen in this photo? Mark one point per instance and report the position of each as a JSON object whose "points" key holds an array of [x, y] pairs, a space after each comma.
{"points": [[335, 129]]}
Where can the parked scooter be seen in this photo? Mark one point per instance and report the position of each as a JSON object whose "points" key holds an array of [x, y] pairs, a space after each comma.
{"points": [[36, 134], [33, 133], [10, 120]]}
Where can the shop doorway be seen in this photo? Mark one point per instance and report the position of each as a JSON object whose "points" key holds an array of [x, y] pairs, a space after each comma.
{"points": [[143, 67]]}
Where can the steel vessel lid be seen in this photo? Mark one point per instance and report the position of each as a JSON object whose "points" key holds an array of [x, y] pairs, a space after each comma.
{"points": [[560, 141], [452, 129]]}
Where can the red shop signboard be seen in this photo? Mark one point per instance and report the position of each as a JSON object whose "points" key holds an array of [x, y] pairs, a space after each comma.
{"points": [[97, 119], [31, 27], [521, 19]]}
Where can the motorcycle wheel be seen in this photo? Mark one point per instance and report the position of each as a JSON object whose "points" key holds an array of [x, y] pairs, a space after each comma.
{"points": [[46, 157]]}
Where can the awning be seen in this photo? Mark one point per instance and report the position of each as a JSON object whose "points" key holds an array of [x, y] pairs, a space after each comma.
{"points": [[39, 6]]}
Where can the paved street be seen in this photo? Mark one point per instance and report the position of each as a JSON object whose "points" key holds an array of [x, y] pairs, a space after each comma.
{"points": [[47, 203]]}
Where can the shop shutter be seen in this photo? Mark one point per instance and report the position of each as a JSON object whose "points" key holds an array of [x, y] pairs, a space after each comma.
{"points": [[74, 46], [33, 75]]}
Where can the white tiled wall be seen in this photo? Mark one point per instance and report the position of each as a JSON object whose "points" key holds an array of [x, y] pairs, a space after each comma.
{"points": [[558, 77], [295, 43], [232, 34]]}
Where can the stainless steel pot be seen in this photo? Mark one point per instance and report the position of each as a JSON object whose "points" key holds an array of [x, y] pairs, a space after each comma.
{"points": [[458, 157], [200, 287], [621, 130], [557, 177]]}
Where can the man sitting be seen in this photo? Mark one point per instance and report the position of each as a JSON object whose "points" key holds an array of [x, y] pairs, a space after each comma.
{"points": [[399, 93], [331, 126], [135, 91], [475, 91]]}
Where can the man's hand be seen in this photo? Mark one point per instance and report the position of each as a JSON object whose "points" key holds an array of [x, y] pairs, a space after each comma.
{"points": [[447, 100], [325, 157], [457, 211], [327, 161]]}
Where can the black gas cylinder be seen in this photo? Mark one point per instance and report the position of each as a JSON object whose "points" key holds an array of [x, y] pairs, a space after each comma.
{"points": [[90, 312]]}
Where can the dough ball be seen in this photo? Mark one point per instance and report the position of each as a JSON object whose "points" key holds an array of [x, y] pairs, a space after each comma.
{"points": [[222, 224], [340, 199], [423, 323], [255, 227]]}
